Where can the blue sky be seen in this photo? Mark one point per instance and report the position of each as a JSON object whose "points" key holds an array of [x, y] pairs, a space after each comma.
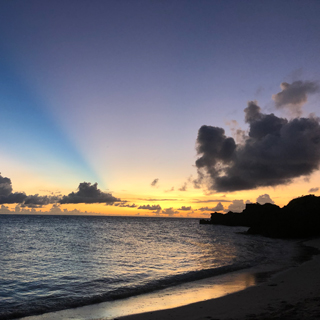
{"points": [[115, 92]]}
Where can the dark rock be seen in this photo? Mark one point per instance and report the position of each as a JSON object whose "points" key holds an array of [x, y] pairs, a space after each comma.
{"points": [[300, 218]]}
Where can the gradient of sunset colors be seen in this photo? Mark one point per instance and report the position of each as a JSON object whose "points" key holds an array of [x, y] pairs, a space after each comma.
{"points": [[115, 92]]}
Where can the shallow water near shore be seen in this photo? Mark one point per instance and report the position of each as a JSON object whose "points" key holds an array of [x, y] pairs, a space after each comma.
{"points": [[172, 297], [53, 263]]}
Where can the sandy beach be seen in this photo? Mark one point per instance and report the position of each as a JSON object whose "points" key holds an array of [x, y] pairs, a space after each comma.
{"points": [[291, 294]]}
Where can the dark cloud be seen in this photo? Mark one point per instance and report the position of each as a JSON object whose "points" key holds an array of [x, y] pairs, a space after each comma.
{"points": [[170, 190], [238, 134], [89, 193], [154, 182], [218, 207], [275, 152], [264, 198], [184, 208], [16, 197], [36, 201], [5, 186], [169, 212], [123, 205], [294, 95], [314, 190], [152, 207], [31, 201], [183, 187]]}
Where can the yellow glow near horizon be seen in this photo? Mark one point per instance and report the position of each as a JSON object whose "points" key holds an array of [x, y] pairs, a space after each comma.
{"points": [[153, 196]]}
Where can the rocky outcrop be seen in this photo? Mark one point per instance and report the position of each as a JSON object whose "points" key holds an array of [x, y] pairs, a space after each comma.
{"points": [[300, 218]]}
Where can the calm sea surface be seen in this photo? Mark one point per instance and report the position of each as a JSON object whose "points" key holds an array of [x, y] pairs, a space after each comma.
{"points": [[51, 263]]}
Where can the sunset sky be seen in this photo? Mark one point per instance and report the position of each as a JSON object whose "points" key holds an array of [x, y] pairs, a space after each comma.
{"points": [[131, 95]]}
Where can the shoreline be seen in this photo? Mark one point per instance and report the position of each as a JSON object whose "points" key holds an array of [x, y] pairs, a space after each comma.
{"points": [[290, 294], [171, 297], [200, 299]]}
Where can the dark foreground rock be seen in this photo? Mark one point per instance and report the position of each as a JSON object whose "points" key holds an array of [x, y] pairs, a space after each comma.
{"points": [[300, 218]]}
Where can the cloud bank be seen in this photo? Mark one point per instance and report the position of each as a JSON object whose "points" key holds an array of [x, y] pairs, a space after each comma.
{"points": [[7, 196], [274, 152], [87, 193]]}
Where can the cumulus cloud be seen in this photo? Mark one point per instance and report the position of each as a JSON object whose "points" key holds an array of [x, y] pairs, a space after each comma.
{"points": [[36, 201], [16, 197], [169, 212], [154, 182], [238, 134], [89, 193], [218, 207], [275, 151], [313, 190], [264, 198], [124, 205], [237, 206], [5, 186], [293, 96], [4, 209], [152, 207], [184, 208], [31, 201], [55, 209]]}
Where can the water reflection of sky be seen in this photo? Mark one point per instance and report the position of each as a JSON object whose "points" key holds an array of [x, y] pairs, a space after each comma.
{"points": [[168, 298]]}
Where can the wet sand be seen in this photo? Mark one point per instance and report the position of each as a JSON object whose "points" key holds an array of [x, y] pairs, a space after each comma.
{"points": [[292, 294]]}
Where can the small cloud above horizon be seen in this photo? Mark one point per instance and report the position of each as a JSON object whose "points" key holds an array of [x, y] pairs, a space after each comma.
{"points": [[236, 206], [264, 198], [184, 208], [218, 207], [150, 207], [183, 187], [293, 96], [154, 183], [169, 212]]}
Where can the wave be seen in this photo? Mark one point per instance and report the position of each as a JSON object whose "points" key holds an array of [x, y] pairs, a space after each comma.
{"points": [[58, 302]]}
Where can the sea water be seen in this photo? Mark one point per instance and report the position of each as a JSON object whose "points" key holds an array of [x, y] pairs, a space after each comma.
{"points": [[51, 263]]}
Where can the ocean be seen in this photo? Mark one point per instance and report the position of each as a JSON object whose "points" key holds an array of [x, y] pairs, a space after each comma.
{"points": [[51, 263]]}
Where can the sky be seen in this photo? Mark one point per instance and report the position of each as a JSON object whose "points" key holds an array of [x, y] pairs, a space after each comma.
{"points": [[158, 108]]}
